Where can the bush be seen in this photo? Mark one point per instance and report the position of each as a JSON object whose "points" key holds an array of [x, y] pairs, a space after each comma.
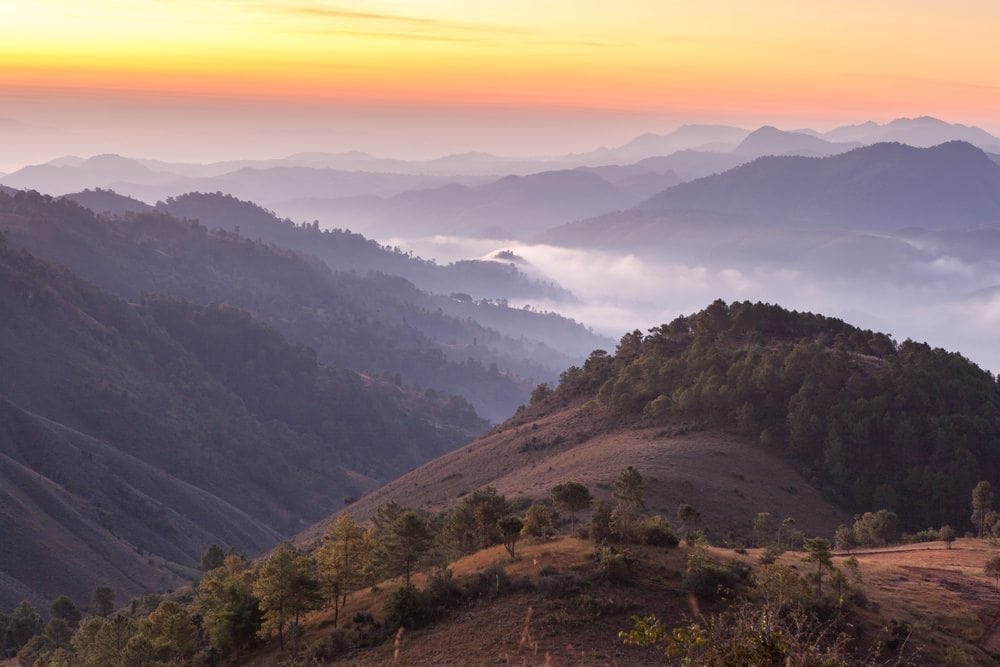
{"points": [[410, 608], [491, 582], [711, 580], [324, 650], [656, 532], [612, 565]]}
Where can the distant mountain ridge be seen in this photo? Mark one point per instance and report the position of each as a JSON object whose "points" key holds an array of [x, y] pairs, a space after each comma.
{"points": [[879, 187], [875, 189]]}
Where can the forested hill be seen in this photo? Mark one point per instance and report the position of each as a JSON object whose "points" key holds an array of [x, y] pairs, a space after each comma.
{"points": [[873, 423], [344, 250], [132, 436], [366, 323]]}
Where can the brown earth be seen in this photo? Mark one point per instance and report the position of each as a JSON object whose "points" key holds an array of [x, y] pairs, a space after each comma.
{"points": [[942, 592], [726, 477]]}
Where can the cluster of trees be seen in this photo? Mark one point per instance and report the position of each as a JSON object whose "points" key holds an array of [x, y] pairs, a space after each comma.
{"points": [[237, 603], [869, 420]]}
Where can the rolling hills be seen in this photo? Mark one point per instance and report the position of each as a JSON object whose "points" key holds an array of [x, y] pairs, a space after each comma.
{"points": [[371, 322], [135, 434]]}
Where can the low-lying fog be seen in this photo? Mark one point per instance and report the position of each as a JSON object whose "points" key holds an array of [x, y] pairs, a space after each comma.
{"points": [[942, 300]]}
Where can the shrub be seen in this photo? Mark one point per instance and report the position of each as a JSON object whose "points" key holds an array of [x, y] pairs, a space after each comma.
{"points": [[410, 608], [655, 531], [612, 565], [328, 648], [711, 580]]}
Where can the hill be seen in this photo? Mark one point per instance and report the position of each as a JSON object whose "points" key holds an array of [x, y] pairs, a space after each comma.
{"points": [[155, 429], [360, 322], [924, 131], [919, 604], [511, 207], [719, 404], [881, 187], [343, 250], [877, 189], [108, 202], [770, 140]]}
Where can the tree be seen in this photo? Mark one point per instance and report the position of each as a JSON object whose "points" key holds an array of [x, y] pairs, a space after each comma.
{"points": [[992, 569], [539, 522], [104, 600], [22, 624], [571, 497], [510, 529], [286, 586], [788, 535], [64, 608], [600, 520], [473, 524], [405, 543], [213, 557], [818, 550], [230, 611], [843, 539], [876, 529], [340, 561], [763, 529], [630, 488], [947, 535], [982, 502], [689, 518], [171, 632], [104, 641]]}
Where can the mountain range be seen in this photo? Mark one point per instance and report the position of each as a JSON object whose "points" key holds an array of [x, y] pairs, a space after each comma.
{"points": [[876, 189]]}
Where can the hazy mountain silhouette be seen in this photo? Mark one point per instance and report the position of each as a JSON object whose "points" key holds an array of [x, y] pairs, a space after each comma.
{"points": [[721, 138], [98, 171], [108, 202], [368, 322], [772, 141], [880, 187], [346, 251], [511, 207], [924, 131]]}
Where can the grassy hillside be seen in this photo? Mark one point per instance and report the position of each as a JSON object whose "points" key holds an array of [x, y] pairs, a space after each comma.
{"points": [[925, 605], [724, 475]]}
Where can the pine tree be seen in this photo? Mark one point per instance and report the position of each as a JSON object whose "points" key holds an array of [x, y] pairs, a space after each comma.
{"points": [[340, 561], [286, 586], [571, 497], [819, 553], [230, 611]]}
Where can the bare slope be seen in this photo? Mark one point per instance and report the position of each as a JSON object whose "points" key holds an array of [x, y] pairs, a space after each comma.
{"points": [[726, 477]]}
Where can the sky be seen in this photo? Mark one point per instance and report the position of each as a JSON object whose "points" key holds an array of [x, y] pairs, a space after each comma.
{"points": [[191, 79]]}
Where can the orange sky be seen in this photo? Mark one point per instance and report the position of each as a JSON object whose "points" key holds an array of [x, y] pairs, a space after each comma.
{"points": [[105, 67]]}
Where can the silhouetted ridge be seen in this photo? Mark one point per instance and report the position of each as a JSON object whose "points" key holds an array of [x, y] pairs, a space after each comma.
{"points": [[883, 187]]}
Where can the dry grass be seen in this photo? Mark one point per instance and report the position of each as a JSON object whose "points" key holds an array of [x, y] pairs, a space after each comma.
{"points": [[724, 476], [942, 592]]}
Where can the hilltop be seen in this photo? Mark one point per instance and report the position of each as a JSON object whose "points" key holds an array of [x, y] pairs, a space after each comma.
{"points": [[724, 404]]}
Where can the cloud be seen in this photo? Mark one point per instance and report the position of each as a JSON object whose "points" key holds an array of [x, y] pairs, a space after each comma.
{"points": [[618, 293], [341, 20]]}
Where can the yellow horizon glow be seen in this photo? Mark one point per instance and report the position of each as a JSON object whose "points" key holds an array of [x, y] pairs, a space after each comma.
{"points": [[842, 59]]}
